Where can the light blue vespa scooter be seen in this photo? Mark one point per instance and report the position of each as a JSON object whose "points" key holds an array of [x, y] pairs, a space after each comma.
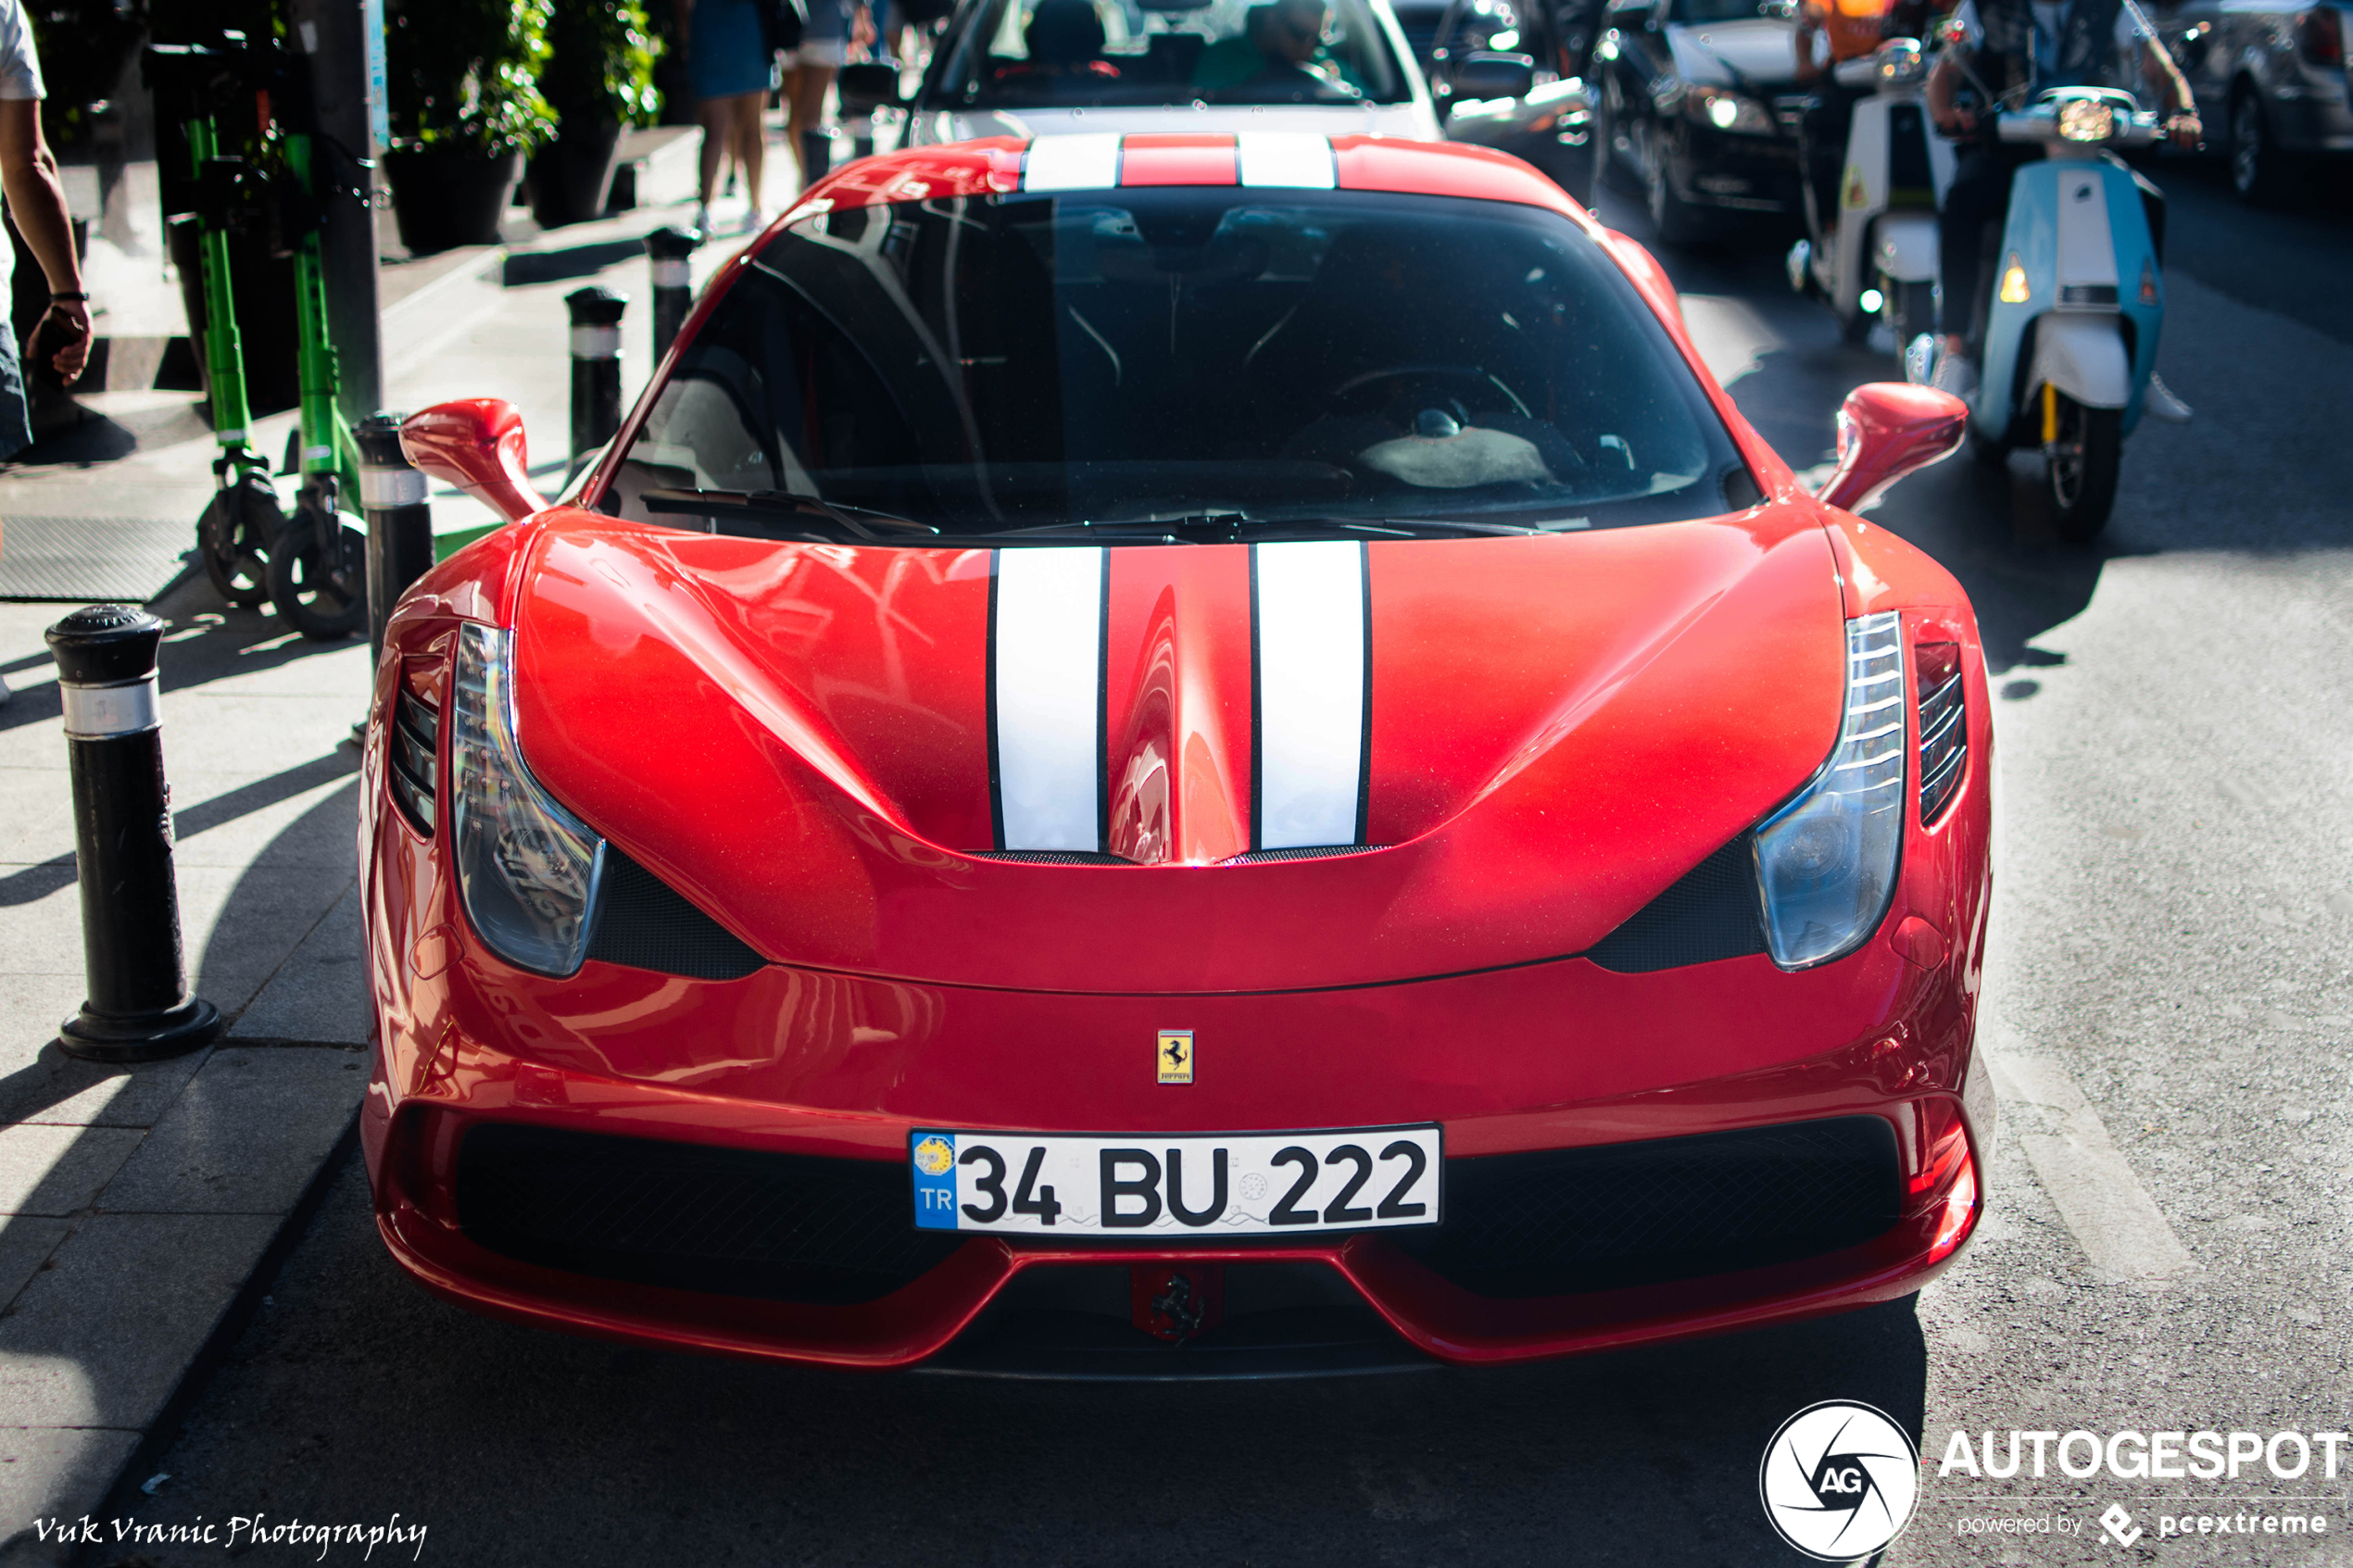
{"points": [[2070, 336]]}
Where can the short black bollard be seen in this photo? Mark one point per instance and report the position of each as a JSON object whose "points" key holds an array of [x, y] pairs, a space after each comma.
{"points": [[668, 251], [861, 140], [595, 366], [816, 154], [139, 1008], [399, 520]]}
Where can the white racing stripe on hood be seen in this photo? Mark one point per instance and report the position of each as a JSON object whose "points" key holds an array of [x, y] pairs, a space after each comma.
{"points": [[1308, 630], [1089, 162], [1286, 157], [1045, 695]]}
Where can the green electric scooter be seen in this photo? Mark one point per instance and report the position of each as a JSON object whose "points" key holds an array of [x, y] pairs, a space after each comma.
{"points": [[312, 566]]}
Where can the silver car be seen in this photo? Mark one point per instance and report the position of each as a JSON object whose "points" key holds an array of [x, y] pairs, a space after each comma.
{"points": [[2270, 82]]}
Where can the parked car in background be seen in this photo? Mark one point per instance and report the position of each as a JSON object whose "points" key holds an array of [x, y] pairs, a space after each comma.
{"points": [[2270, 82], [1684, 105], [1222, 67], [1549, 124]]}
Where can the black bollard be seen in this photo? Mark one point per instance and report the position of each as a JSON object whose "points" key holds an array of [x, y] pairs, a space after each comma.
{"points": [[399, 521], [861, 140], [139, 1008], [595, 366], [667, 252]]}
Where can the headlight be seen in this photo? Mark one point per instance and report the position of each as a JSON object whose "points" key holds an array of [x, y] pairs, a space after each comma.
{"points": [[527, 868], [2086, 119], [1730, 111], [1826, 862]]}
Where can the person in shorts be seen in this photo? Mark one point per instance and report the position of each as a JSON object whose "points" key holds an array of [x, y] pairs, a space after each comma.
{"points": [[36, 200], [732, 71], [834, 29]]}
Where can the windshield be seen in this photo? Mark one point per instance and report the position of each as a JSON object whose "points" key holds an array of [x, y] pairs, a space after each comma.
{"points": [[1094, 53], [988, 364]]}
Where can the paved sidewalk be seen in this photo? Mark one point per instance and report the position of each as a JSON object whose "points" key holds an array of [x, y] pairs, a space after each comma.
{"points": [[137, 1204]]}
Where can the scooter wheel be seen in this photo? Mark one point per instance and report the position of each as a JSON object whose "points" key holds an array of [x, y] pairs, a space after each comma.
{"points": [[303, 586], [2081, 466], [235, 536]]}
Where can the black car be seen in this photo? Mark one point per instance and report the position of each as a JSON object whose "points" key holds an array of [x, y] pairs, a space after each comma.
{"points": [[1696, 109], [1462, 45]]}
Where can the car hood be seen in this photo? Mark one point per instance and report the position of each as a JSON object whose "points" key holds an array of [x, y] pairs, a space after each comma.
{"points": [[1413, 121], [807, 740], [1762, 50]]}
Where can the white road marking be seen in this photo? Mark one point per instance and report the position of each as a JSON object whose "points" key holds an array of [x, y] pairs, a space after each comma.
{"points": [[2114, 1220]]}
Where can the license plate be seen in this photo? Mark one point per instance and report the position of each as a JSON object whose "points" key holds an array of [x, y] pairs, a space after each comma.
{"points": [[1196, 1185]]}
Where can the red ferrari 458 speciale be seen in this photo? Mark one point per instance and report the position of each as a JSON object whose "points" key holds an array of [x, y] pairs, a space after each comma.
{"points": [[1209, 740]]}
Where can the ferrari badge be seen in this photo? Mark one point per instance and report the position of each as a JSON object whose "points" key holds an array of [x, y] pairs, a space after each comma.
{"points": [[1174, 1056], [933, 1157]]}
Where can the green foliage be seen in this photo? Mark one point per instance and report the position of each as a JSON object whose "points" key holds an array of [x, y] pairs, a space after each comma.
{"points": [[464, 74], [600, 65]]}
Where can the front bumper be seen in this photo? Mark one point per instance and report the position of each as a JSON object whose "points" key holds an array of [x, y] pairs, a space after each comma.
{"points": [[836, 1069], [1709, 168]]}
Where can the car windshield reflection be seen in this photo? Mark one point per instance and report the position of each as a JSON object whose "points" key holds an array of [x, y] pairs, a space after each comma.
{"points": [[991, 364]]}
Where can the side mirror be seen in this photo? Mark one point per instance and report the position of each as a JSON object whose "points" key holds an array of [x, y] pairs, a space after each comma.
{"points": [[1887, 429], [477, 444], [1484, 74], [867, 86]]}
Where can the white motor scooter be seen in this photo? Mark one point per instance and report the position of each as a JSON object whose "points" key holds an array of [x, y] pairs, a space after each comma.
{"points": [[1876, 256]]}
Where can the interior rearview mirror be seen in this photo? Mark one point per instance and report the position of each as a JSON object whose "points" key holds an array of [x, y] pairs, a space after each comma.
{"points": [[1484, 74]]}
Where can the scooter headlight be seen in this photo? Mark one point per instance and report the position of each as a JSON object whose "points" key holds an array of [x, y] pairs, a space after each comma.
{"points": [[527, 869], [1900, 62], [2086, 119], [1826, 862]]}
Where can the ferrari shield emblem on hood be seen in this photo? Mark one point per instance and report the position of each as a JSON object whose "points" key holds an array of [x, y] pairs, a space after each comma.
{"points": [[1173, 1054]]}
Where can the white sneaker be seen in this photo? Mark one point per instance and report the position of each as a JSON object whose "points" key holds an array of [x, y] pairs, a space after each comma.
{"points": [[754, 221], [703, 221], [2159, 402]]}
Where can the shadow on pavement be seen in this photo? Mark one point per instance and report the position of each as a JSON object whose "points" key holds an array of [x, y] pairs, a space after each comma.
{"points": [[1640, 1457], [207, 642]]}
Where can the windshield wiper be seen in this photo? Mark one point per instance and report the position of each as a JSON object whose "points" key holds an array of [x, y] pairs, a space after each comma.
{"points": [[862, 522], [1213, 528]]}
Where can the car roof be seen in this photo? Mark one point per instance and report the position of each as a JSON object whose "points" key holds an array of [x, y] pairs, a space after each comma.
{"points": [[1272, 159]]}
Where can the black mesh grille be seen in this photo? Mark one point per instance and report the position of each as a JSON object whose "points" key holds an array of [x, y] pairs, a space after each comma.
{"points": [[781, 1227], [1644, 1214], [410, 751], [1316, 852], [1054, 857], [1711, 914], [646, 924], [1943, 745]]}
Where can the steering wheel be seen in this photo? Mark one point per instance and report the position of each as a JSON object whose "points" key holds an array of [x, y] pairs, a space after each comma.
{"points": [[1470, 378]]}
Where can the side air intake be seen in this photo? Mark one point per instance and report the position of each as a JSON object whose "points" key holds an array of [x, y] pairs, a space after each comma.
{"points": [[643, 923], [1711, 914]]}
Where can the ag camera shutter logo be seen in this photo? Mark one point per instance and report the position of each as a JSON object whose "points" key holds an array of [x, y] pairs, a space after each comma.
{"points": [[1838, 1480]]}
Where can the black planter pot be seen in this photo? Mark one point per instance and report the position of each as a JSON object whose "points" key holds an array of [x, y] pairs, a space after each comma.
{"points": [[572, 175], [443, 198]]}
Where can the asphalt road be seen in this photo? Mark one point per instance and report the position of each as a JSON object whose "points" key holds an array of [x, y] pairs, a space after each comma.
{"points": [[2172, 976]]}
